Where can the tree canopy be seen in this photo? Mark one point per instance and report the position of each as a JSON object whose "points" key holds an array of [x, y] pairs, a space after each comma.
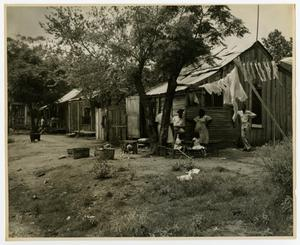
{"points": [[278, 46], [124, 44], [35, 77]]}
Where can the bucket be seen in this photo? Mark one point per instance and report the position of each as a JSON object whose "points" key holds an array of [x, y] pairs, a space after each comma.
{"points": [[105, 153]]}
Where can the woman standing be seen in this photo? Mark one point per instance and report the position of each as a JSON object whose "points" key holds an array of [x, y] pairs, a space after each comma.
{"points": [[202, 120]]}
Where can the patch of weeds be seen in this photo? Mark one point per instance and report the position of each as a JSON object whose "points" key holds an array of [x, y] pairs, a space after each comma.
{"points": [[83, 224], [201, 223], [135, 223], [122, 169], [278, 161], [220, 169], [188, 165], [238, 190], [36, 209], [224, 195], [101, 170], [170, 230], [88, 200], [177, 166], [88, 221], [109, 194], [132, 174]]}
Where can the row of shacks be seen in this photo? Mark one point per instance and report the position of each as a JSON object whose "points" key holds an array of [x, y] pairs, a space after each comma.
{"points": [[237, 75]]}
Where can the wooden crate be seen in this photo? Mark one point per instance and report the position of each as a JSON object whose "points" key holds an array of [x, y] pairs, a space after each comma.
{"points": [[80, 152]]}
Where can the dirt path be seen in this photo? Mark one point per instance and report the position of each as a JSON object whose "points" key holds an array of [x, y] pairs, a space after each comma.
{"points": [[50, 197]]}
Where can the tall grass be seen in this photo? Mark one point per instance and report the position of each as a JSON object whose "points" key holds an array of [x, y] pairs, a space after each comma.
{"points": [[278, 162]]}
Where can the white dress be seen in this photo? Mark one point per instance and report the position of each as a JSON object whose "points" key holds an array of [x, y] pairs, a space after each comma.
{"points": [[170, 134]]}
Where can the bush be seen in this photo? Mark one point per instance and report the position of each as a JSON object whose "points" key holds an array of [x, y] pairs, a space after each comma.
{"points": [[177, 166], [279, 163], [101, 170]]}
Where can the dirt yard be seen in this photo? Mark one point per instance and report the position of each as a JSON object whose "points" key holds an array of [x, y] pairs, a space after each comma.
{"points": [[52, 197]]}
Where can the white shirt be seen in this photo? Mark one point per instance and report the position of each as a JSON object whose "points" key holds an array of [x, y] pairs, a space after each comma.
{"points": [[178, 122]]}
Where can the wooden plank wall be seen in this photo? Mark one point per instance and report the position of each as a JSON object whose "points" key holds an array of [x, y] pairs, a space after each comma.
{"points": [[116, 124], [264, 134], [285, 107], [133, 116], [73, 115], [277, 97], [221, 129]]}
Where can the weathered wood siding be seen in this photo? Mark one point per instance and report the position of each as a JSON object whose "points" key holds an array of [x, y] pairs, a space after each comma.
{"points": [[284, 106], [221, 129], [75, 116], [277, 95], [133, 117], [116, 123]]}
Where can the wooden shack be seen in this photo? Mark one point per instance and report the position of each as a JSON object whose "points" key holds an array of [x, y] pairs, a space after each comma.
{"points": [[259, 80], [71, 113], [18, 116], [285, 93]]}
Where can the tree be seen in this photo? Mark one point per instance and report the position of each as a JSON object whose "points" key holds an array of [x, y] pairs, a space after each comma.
{"points": [[190, 35], [162, 39], [35, 78], [278, 46]]}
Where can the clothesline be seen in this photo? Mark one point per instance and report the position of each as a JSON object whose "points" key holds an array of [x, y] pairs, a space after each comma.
{"points": [[262, 71], [231, 87]]}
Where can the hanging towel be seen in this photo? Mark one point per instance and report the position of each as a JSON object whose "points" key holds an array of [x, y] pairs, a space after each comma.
{"points": [[236, 91], [223, 83], [245, 72], [258, 72], [212, 88], [226, 91], [253, 71], [267, 69], [249, 71], [262, 71], [275, 70], [235, 110]]}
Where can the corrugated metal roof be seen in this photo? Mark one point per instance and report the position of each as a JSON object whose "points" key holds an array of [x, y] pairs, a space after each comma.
{"points": [[71, 95], [197, 72], [287, 60]]}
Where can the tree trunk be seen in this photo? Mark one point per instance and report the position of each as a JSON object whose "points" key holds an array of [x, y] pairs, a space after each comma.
{"points": [[149, 116], [165, 123], [33, 116]]}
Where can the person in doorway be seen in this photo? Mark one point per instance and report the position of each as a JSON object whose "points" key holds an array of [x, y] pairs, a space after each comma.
{"points": [[179, 124], [245, 117], [158, 120], [202, 121]]}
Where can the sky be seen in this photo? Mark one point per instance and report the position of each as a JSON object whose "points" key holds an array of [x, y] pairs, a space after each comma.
{"points": [[25, 20]]}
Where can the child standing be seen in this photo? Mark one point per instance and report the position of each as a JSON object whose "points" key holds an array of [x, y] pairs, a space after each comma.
{"points": [[245, 116]]}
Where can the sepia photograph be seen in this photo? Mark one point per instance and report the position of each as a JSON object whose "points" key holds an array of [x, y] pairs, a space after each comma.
{"points": [[150, 121]]}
